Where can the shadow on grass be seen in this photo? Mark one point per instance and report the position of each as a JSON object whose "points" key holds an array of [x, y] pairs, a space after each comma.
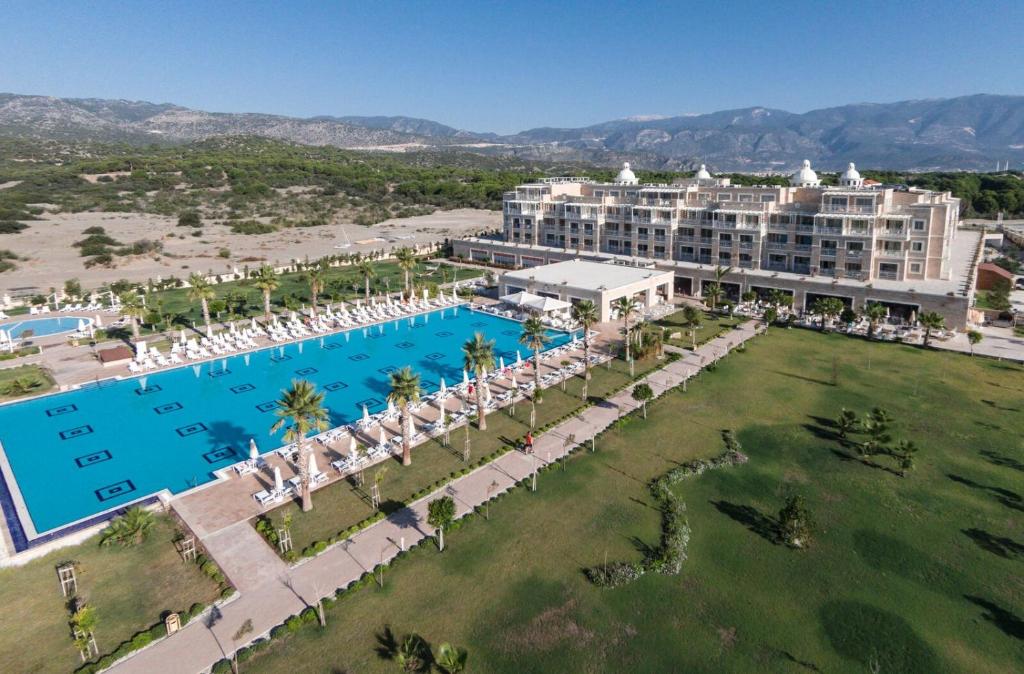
{"points": [[1007, 497], [1002, 546], [993, 404], [998, 459], [801, 377], [753, 519], [1007, 621], [864, 461], [853, 629]]}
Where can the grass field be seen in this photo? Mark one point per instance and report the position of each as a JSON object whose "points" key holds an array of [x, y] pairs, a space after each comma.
{"points": [[343, 504], [713, 325], [39, 381], [129, 587], [921, 573]]}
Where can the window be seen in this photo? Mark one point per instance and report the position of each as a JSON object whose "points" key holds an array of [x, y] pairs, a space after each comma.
{"points": [[725, 238], [839, 202], [864, 202], [918, 225], [917, 246], [853, 266], [854, 246], [767, 198], [724, 196], [915, 267], [598, 193], [614, 193], [724, 256], [745, 198]]}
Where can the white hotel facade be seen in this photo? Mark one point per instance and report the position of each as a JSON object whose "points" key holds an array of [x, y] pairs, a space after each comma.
{"points": [[858, 241]]}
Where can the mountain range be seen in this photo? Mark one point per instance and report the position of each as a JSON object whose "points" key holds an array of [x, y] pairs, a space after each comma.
{"points": [[968, 132]]}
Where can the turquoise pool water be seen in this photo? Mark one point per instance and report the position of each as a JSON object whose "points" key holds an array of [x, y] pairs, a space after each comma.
{"points": [[79, 453], [41, 327]]}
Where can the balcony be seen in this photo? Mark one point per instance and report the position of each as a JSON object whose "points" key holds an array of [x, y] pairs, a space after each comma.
{"points": [[746, 264], [891, 252], [831, 208], [828, 252], [826, 272], [822, 229], [706, 240], [746, 245], [704, 259], [805, 228], [802, 247], [854, 254], [777, 227], [889, 275], [778, 245], [687, 257], [776, 266], [801, 269]]}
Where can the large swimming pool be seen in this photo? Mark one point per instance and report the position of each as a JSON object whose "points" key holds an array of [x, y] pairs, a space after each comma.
{"points": [[76, 454]]}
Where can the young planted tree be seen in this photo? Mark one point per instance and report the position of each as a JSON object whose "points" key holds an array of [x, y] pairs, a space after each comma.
{"points": [[451, 659], [827, 308], [715, 289], [876, 425], [267, 281], [301, 409], [931, 321], [847, 422], [479, 356], [904, 453], [440, 514], [584, 313], [626, 307], [795, 523], [405, 391], [200, 290], [642, 393], [406, 262], [368, 271], [974, 338], [874, 313], [315, 279], [534, 337], [693, 319], [132, 307], [771, 314]]}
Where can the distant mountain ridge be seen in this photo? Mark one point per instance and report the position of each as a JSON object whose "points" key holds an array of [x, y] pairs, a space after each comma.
{"points": [[968, 132]]}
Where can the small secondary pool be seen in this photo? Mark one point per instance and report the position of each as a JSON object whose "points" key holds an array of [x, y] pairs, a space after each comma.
{"points": [[42, 327], [75, 455]]}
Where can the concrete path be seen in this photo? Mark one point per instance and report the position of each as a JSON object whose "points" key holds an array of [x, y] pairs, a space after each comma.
{"points": [[270, 591]]}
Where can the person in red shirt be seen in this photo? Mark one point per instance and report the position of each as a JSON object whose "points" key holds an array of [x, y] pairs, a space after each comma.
{"points": [[529, 442]]}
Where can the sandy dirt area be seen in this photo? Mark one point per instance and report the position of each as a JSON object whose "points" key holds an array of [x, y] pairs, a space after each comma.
{"points": [[52, 259]]}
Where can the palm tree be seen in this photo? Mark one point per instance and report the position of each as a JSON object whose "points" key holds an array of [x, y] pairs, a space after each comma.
{"points": [[267, 281], [873, 312], [367, 271], [904, 454], [406, 262], [129, 529], [200, 290], [715, 289], [534, 337], [451, 659], [303, 406], [625, 306], [405, 391], [479, 356], [21, 386], [131, 306], [931, 321], [847, 422], [585, 314], [315, 278]]}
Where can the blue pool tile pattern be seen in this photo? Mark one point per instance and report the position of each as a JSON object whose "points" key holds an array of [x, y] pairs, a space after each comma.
{"points": [[109, 448]]}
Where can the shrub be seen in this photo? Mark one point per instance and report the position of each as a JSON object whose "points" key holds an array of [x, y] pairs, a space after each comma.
{"points": [[615, 574], [293, 624], [252, 227], [189, 219]]}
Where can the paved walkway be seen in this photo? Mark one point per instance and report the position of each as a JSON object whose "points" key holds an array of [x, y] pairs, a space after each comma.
{"points": [[269, 591]]}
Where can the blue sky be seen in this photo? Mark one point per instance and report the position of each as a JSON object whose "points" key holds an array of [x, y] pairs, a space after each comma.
{"points": [[487, 66]]}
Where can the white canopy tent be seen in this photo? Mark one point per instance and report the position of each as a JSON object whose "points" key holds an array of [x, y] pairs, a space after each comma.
{"points": [[538, 303]]}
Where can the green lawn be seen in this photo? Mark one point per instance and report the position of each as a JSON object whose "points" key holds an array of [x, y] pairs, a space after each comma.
{"points": [[713, 325], [39, 379], [921, 573], [343, 504], [130, 588]]}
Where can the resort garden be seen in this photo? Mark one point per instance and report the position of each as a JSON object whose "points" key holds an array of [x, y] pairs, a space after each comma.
{"points": [[818, 551]]}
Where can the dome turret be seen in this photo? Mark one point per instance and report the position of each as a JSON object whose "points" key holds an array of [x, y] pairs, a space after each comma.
{"points": [[626, 175], [851, 177], [805, 177], [702, 173]]}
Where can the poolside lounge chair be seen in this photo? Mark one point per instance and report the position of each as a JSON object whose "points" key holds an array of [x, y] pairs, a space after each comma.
{"points": [[265, 498]]}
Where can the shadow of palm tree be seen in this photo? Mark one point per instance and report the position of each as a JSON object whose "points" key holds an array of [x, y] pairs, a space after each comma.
{"points": [[1005, 620], [1001, 460], [753, 519], [997, 545], [1007, 497]]}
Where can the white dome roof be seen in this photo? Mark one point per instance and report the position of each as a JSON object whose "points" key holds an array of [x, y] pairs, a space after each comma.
{"points": [[703, 174], [805, 177], [852, 175], [626, 175]]}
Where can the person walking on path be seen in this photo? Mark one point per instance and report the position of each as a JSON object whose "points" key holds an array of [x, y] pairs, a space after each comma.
{"points": [[529, 442]]}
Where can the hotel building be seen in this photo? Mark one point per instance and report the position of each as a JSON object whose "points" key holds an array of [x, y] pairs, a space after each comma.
{"points": [[804, 237]]}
